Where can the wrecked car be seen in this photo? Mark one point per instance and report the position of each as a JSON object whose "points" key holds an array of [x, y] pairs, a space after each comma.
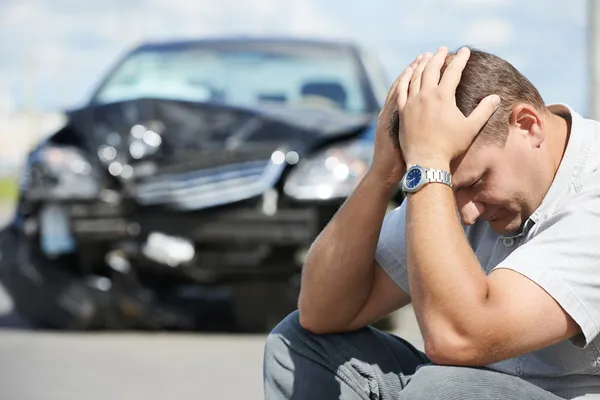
{"points": [[190, 187]]}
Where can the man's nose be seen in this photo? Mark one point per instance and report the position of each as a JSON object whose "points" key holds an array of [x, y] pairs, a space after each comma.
{"points": [[469, 209]]}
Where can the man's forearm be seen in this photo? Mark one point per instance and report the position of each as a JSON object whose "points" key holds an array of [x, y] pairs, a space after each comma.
{"points": [[448, 286], [338, 271]]}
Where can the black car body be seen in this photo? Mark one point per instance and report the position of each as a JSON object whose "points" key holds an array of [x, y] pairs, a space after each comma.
{"points": [[191, 186]]}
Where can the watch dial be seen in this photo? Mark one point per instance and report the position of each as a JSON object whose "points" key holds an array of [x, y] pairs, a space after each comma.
{"points": [[413, 178]]}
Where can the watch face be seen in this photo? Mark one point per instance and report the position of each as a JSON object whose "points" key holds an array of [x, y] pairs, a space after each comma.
{"points": [[413, 178]]}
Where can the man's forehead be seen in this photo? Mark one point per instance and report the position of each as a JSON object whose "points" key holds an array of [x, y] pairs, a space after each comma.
{"points": [[467, 168]]}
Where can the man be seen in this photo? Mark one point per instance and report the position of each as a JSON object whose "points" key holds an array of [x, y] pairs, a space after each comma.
{"points": [[508, 302]]}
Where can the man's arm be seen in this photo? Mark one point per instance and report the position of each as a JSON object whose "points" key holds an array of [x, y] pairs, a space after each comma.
{"points": [[466, 317], [342, 286]]}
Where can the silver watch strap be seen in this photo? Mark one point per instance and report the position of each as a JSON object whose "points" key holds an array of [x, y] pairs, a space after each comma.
{"points": [[438, 175]]}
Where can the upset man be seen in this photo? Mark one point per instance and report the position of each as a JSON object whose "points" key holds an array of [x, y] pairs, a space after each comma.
{"points": [[497, 247]]}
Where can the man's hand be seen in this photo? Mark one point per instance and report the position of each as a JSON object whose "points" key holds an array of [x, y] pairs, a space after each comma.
{"points": [[388, 164], [434, 130]]}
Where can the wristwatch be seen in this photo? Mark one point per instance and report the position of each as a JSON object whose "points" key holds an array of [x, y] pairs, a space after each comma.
{"points": [[416, 177]]}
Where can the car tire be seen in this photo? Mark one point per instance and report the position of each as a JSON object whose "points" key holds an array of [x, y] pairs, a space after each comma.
{"points": [[258, 307]]}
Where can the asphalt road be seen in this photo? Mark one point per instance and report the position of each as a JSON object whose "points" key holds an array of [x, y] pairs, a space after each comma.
{"points": [[39, 365], [46, 365]]}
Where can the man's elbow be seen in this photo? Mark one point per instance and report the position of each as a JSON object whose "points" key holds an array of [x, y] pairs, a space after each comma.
{"points": [[450, 348], [314, 323], [308, 319]]}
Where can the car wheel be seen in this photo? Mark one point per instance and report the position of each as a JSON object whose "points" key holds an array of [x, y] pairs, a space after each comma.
{"points": [[260, 306], [40, 289]]}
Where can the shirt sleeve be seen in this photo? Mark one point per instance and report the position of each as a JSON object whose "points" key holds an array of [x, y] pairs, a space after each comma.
{"points": [[391, 247], [563, 257]]}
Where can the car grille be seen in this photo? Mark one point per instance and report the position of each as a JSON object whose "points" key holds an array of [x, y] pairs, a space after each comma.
{"points": [[210, 187]]}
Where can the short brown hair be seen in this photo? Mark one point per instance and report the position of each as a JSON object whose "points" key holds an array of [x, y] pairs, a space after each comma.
{"points": [[487, 74]]}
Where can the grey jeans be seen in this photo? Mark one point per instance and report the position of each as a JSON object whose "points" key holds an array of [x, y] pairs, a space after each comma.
{"points": [[370, 364]]}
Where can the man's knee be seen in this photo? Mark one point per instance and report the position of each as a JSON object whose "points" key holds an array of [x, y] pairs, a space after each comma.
{"points": [[279, 341], [289, 341], [433, 382], [279, 337], [291, 323]]}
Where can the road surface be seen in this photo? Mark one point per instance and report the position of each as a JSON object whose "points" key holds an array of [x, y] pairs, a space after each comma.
{"points": [[38, 365]]}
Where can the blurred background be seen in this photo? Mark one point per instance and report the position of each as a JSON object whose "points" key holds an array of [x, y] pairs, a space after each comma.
{"points": [[108, 58]]}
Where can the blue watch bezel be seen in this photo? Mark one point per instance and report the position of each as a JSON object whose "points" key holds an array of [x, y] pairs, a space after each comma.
{"points": [[418, 185]]}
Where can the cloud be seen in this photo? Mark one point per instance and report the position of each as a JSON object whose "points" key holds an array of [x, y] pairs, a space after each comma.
{"points": [[491, 32], [299, 17], [75, 41], [71, 40], [18, 13], [484, 3]]}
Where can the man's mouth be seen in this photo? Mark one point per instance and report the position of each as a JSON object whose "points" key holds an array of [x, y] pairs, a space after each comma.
{"points": [[492, 217]]}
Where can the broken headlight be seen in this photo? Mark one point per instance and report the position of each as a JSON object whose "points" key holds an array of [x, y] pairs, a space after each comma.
{"points": [[59, 173], [332, 173]]}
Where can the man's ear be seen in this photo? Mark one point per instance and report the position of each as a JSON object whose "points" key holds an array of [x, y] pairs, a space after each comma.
{"points": [[528, 121]]}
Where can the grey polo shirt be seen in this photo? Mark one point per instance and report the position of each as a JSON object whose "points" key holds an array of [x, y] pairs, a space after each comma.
{"points": [[559, 249]]}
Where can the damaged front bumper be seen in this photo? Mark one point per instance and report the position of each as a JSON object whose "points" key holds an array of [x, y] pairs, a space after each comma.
{"points": [[106, 266], [221, 244]]}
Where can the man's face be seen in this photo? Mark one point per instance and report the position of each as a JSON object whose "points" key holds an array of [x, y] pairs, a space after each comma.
{"points": [[491, 183]]}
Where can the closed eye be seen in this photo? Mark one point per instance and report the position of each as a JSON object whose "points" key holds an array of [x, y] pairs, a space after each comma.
{"points": [[469, 186], [476, 184]]}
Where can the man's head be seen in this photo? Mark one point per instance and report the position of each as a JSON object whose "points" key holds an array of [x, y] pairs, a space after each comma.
{"points": [[507, 171], [487, 74]]}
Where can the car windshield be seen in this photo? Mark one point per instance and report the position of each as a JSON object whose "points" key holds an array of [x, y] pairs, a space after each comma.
{"points": [[319, 77]]}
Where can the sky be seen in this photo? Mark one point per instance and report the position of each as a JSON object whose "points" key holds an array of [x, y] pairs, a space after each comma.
{"points": [[54, 52]]}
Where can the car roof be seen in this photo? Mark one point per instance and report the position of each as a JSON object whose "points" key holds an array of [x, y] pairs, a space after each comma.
{"points": [[250, 42]]}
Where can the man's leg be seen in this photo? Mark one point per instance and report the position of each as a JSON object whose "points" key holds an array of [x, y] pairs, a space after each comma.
{"points": [[366, 364], [433, 382]]}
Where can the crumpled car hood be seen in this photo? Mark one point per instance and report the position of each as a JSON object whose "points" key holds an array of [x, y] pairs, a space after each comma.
{"points": [[208, 154], [210, 127]]}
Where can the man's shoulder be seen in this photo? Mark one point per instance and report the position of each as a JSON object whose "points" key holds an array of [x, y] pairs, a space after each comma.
{"points": [[575, 190], [581, 208]]}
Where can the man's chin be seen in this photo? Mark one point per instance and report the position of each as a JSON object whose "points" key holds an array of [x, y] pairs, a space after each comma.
{"points": [[504, 226]]}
